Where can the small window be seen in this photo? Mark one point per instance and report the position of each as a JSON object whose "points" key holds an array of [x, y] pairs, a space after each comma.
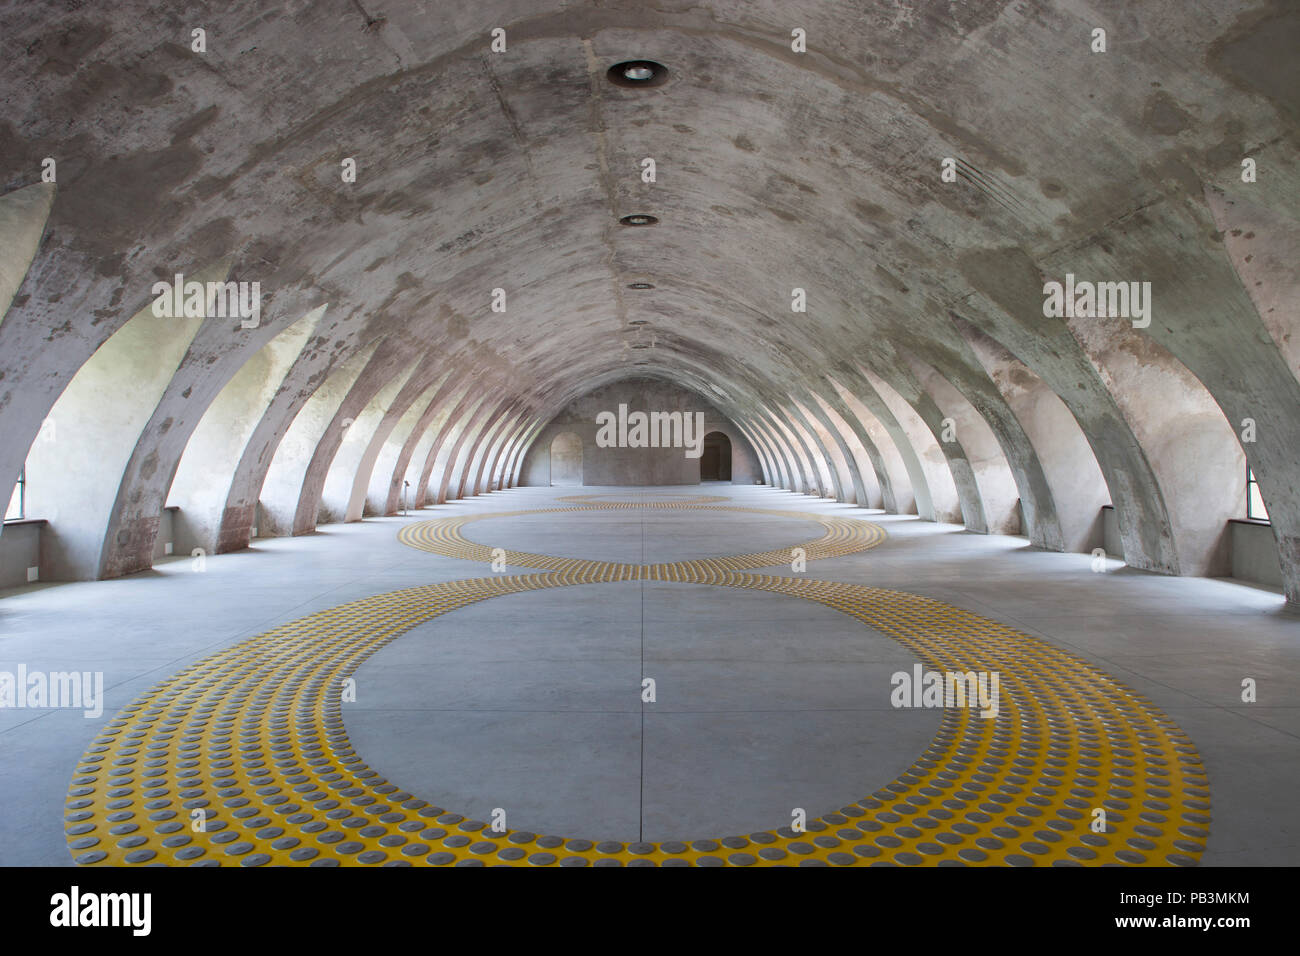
{"points": [[1254, 500], [17, 509]]}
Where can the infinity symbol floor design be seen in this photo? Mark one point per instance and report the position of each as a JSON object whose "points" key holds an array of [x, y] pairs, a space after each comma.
{"points": [[252, 741]]}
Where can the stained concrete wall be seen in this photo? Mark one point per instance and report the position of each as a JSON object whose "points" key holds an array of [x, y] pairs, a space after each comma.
{"points": [[637, 466], [1254, 553], [1111, 542], [1252, 549], [20, 549], [565, 459]]}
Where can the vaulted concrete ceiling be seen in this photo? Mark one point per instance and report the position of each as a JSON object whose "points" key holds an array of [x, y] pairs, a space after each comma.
{"points": [[776, 170]]}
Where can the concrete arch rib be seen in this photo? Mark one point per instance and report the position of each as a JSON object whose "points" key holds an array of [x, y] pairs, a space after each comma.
{"points": [[903, 485], [767, 463], [415, 450], [282, 485], [1006, 467], [487, 440], [505, 469], [458, 455], [867, 469], [326, 352], [817, 478], [447, 424], [23, 214], [829, 469], [74, 478], [946, 462], [844, 461], [206, 469], [441, 453], [491, 451], [340, 497], [793, 477], [221, 347], [370, 493], [1078, 486], [1008, 305], [1194, 454], [1203, 318], [390, 362], [961, 422], [510, 469], [932, 481]]}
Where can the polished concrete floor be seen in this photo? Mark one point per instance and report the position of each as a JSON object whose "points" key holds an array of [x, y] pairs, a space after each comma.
{"points": [[531, 702]]}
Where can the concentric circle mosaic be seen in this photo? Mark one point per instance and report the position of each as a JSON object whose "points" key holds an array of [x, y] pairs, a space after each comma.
{"points": [[243, 759]]}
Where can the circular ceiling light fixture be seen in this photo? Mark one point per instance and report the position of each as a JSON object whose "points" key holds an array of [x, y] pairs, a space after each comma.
{"points": [[637, 73], [640, 285], [639, 219]]}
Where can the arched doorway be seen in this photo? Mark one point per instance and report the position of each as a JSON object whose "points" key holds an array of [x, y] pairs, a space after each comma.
{"points": [[566, 459], [715, 462]]}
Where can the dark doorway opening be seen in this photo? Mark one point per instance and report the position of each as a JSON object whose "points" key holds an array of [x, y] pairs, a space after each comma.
{"points": [[715, 462]]}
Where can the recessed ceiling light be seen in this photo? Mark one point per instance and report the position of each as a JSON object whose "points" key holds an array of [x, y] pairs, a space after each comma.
{"points": [[638, 73], [640, 285], [639, 219]]}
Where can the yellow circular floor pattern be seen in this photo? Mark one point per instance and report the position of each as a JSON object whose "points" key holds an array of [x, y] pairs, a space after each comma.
{"points": [[843, 536], [641, 498], [243, 758]]}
